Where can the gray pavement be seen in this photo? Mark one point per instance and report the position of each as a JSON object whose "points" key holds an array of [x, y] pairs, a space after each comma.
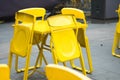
{"points": [[100, 34]]}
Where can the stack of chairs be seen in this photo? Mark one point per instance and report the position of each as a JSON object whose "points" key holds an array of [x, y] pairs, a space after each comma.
{"points": [[64, 43], [67, 37]]}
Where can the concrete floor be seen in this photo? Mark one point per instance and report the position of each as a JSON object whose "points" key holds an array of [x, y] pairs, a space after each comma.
{"points": [[100, 34]]}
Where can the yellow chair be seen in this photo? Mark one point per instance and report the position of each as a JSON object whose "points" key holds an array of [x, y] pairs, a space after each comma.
{"points": [[22, 41], [116, 41], [81, 37], [4, 72], [64, 45], [63, 73]]}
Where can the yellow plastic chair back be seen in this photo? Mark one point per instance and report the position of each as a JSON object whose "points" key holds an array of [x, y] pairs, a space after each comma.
{"points": [[116, 41], [64, 43], [66, 47], [57, 72], [37, 13], [81, 36], [81, 22], [21, 41], [4, 72], [79, 14]]}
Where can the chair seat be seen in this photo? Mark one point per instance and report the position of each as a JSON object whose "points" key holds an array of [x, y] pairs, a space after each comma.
{"points": [[63, 73], [66, 47], [4, 72]]}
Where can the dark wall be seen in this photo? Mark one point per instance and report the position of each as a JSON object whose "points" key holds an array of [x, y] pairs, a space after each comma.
{"points": [[9, 7], [104, 9]]}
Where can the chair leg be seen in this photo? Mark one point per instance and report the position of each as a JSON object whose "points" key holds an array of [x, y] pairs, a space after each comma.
{"points": [[16, 64], [10, 60], [118, 46], [42, 56], [39, 58], [54, 58], [119, 43], [88, 55], [22, 69], [64, 63], [82, 68], [82, 64], [53, 54], [26, 67], [44, 38], [115, 45]]}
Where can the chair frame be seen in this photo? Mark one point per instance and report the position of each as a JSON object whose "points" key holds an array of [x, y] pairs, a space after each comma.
{"points": [[33, 17], [53, 28], [83, 39], [116, 41]]}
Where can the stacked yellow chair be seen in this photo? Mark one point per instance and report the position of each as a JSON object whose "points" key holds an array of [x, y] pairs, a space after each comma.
{"points": [[63, 43], [63, 73], [22, 41], [4, 72], [116, 41], [81, 36]]}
